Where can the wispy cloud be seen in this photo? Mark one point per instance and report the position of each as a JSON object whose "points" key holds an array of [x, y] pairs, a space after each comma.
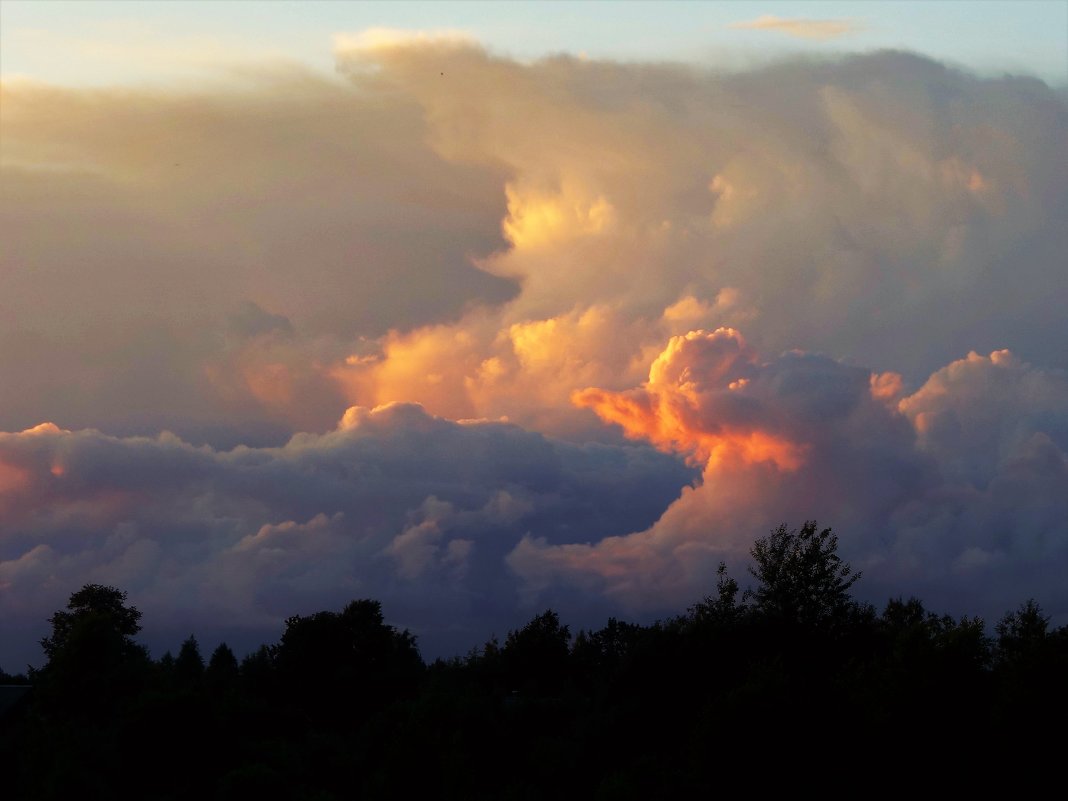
{"points": [[801, 28]]}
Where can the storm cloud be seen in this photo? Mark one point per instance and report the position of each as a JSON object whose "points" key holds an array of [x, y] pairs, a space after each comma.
{"points": [[393, 504], [589, 327]]}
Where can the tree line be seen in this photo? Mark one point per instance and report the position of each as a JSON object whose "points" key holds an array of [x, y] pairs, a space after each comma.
{"points": [[791, 675]]}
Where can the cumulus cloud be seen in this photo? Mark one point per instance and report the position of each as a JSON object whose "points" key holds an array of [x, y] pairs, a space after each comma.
{"points": [[696, 401], [141, 226], [862, 209], [394, 504], [551, 258], [979, 411], [438, 237], [957, 491], [801, 28]]}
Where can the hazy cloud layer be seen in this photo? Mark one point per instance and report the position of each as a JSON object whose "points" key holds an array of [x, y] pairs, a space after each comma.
{"points": [[139, 225], [771, 276]]}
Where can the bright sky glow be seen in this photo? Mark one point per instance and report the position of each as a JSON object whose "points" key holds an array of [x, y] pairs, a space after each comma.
{"points": [[79, 42]]}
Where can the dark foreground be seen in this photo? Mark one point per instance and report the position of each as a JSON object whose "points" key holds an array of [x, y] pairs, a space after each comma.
{"points": [[789, 684]]}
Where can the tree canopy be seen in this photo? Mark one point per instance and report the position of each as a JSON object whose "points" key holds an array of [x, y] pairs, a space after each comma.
{"points": [[801, 578], [793, 672], [94, 610]]}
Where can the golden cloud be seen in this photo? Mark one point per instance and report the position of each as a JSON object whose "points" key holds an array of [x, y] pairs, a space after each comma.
{"points": [[801, 28]]}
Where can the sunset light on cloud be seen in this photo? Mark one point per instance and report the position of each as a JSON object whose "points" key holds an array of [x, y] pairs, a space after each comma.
{"points": [[802, 28], [475, 332]]}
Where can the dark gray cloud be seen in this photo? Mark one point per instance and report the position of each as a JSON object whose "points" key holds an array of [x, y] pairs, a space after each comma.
{"points": [[397, 505]]}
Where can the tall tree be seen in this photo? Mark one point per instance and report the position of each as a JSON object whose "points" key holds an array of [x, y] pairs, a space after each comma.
{"points": [[94, 663], [722, 608], [189, 666], [222, 667], [1021, 633], [801, 578], [536, 656], [93, 608], [348, 662]]}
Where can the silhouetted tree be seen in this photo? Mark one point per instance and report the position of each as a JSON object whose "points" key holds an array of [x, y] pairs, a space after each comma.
{"points": [[348, 662], [925, 662], [93, 660], [1031, 668], [257, 671], [1021, 633], [722, 608], [342, 706], [535, 657], [94, 609], [12, 678], [222, 669], [85, 695], [607, 648], [189, 665], [801, 577]]}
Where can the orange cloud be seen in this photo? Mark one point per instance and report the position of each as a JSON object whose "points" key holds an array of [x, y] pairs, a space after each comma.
{"points": [[492, 365], [801, 28], [13, 478], [536, 219], [886, 386], [676, 409], [429, 365], [17, 473], [45, 428]]}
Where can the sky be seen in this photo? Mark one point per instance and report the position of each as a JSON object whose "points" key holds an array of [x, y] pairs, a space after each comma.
{"points": [[80, 42], [479, 309]]}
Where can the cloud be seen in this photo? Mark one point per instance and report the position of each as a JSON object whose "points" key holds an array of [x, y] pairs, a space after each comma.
{"points": [[394, 504], [143, 226], [801, 28], [956, 491], [378, 40], [981, 411], [252, 320], [864, 215], [696, 402], [427, 239], [596, 325]]}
